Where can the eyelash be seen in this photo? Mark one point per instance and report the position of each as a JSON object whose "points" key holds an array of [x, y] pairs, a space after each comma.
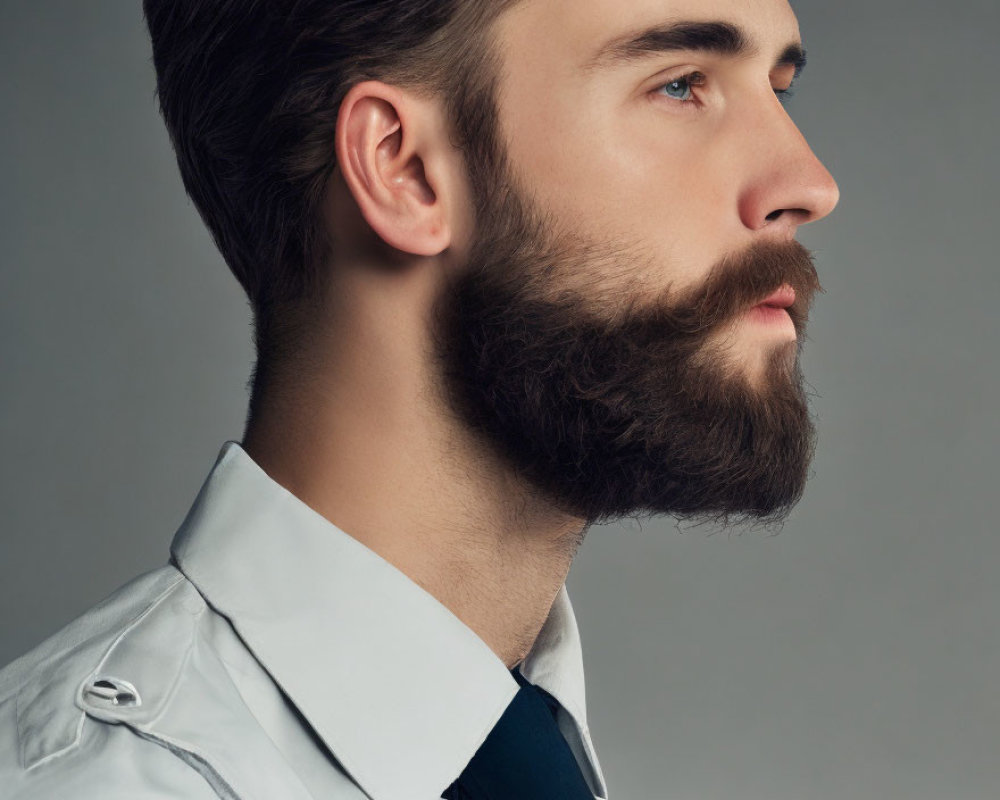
{"points": [[696, 78]]}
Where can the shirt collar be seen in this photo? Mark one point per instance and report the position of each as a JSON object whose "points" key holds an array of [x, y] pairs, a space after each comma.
{"points": [[401, 691]]}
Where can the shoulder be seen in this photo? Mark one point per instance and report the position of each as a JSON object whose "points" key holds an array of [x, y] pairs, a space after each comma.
{"points": [[61, 705]]}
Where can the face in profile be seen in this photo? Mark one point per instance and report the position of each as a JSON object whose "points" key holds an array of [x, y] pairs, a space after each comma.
{"points": [[626, 333]]}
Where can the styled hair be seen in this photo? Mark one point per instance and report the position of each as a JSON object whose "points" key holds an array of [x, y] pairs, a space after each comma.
{"points": [[250, 91]]}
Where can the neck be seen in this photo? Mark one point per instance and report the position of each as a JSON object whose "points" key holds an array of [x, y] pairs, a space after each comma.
{"points": [[367, 446]]}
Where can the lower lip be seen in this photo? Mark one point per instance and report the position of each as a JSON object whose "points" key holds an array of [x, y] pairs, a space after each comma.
{"points": [[771, 315]]}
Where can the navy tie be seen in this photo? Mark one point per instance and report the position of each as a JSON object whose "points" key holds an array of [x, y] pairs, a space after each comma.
{"points": [[525, 756]]}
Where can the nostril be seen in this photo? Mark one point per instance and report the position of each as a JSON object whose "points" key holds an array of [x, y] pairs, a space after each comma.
{"points": [[793, 216]]}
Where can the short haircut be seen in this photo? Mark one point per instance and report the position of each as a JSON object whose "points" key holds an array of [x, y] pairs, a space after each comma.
{"points": [[250, 91]]}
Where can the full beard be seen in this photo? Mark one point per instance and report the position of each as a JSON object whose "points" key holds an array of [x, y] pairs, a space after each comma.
{"points": [[611, 408]]}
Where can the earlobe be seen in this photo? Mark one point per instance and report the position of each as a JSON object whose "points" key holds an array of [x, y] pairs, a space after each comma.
{"points": [[381, 152]]}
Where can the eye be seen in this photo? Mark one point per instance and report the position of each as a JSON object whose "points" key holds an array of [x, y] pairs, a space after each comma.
{"points": [[680, 89], [784, 95]]}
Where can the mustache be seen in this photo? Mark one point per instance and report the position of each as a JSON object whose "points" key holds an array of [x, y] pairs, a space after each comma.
{"points": [[542, 252], [741, 281]]}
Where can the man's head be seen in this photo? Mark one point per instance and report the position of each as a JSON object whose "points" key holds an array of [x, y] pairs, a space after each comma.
{"points": [[628, 189]]}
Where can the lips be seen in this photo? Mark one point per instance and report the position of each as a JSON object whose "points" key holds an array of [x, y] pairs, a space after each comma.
{"points": [[782, 298]]}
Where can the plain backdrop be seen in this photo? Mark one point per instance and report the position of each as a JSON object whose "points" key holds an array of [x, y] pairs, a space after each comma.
{"points": [[854, 655]]}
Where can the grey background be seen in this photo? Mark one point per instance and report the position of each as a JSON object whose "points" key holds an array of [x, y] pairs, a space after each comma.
{"points": [[855, 655]]}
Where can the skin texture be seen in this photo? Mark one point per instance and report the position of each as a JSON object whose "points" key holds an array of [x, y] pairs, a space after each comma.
{"points": [[367, 438]]}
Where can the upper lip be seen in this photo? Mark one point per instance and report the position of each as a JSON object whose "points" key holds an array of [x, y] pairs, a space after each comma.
{"points": [[782, 298]]}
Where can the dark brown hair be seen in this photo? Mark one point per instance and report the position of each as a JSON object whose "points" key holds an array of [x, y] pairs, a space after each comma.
{"points": [[250, 91]]}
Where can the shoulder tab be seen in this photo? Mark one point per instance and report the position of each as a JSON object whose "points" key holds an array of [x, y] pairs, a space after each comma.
{"points": [[137, 676], [46, 682]]}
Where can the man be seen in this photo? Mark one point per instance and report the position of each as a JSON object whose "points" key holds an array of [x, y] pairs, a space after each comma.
{"points": [[517, 267]]}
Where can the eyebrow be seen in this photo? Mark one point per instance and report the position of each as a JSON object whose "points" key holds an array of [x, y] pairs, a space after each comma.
{"points": [[721, 38]]}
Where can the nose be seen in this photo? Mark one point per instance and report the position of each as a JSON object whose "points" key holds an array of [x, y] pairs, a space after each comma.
{"points": [[787, 185]]}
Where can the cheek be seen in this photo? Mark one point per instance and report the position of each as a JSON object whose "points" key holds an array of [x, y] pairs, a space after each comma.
{"points": [[675, 188], [661, 185], [645, 165], [675, 165]]}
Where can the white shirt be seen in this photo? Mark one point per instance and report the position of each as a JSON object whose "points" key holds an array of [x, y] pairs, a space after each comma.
{"points": [[276, 657]]}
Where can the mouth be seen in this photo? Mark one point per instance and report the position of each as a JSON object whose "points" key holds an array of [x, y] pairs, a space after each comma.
{"points": [[783, 298], [774, 309]]}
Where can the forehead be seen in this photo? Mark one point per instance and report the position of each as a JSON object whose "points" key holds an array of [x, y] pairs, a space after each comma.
{"points": [[568, 34]]}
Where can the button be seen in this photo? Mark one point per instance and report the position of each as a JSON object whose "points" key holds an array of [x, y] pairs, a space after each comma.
{"points": [[107, 692]]}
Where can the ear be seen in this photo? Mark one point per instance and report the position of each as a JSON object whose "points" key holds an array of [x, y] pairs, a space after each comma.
{"points": [[389, 146]]}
